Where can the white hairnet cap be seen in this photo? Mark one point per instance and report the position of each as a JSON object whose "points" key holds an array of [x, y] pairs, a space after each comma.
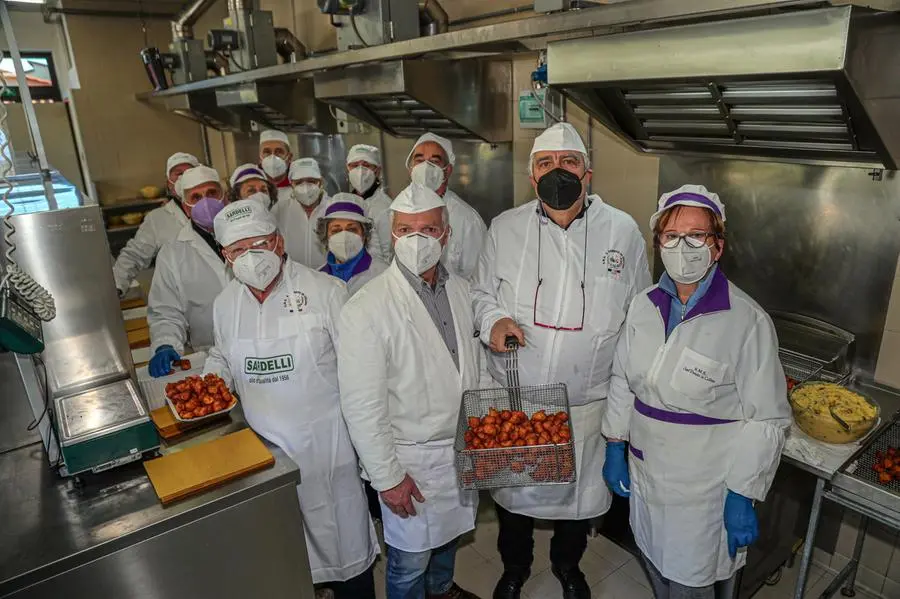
{"points": [[274, 135], [241, 220], [348, 206], [179, 158], [196, 176], [445, 143], [557, 138], [688, 195], [417, 198], [364, 152], [305, 168], [245, 172]]}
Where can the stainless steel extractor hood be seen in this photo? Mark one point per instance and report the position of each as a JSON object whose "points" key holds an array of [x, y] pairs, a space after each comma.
{"points": [[286, 106], [814, 85], [201, 107], [468, 99]]}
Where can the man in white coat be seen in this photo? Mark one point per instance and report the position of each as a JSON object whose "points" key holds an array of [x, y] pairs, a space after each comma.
{"points": [[159, 227], [279, 312], [364, 172], [409, 354], [275, 157], [299, 215], [190, 273], [558, 273]]}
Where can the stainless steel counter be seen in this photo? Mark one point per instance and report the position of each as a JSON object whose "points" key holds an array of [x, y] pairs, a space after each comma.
{"points": [[109, 534]]}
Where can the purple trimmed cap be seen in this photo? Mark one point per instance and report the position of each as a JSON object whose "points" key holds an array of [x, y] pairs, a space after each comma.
{"points": [[348, 206], [688, 195], [245, 172]]}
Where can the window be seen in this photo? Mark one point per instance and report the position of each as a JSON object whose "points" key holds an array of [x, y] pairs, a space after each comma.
{"points": [[39, 73]]}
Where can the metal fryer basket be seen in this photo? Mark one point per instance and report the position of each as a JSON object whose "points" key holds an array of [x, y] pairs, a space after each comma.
{"points": [[861, 467], [533, 465]]}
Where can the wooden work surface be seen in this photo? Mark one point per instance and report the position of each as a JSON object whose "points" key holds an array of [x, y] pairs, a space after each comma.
{"points": [[201, 467]]}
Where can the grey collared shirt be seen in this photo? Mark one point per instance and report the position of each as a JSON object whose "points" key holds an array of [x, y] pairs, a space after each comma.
{"points": [[437, 302]]}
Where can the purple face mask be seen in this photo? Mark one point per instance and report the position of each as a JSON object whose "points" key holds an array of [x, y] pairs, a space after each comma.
{"points": [[204, 212]]}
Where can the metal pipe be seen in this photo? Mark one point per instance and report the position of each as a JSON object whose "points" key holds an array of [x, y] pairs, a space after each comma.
{"points": [[182, 25], [92, 12], [492, 15], [30, 116], [435, 17]]}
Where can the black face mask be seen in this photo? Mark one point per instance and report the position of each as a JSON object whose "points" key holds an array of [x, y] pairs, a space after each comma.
{"points": [[559, 189]]}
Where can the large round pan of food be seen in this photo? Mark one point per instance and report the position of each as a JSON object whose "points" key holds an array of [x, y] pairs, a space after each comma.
{"points": [[833, 413]]}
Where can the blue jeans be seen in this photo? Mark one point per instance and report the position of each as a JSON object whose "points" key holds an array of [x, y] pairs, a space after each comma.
{"points": [[410, 575]]}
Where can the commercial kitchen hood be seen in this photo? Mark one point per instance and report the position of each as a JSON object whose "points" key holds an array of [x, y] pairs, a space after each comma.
{"points": [[201, 107], [812, 85], [468, 99]]}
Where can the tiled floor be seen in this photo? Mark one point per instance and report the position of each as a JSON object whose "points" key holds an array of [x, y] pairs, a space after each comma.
{"points": [[611, 571]]}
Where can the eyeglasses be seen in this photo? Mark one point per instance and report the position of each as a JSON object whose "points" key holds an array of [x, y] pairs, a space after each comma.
{"points": [[260, 244], [694, 239], [537, 291]]}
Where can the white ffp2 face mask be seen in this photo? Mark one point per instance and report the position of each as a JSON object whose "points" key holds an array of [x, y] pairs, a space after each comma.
{"points": [[307, 193], [361, 178], [274, 166], [428, 174], [345, 245], [262, 198], [257, 268], [685, 264], [417, 252]]}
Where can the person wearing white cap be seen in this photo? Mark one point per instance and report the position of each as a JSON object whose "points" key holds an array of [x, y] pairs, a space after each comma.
{"points": [[249, 182], [364, 172], [557, 274], [345, 231], [705, 430], [298, 216], [159, 226], [274, 157], [430, 163], [410, 354], [190, 273], [275, 344]]}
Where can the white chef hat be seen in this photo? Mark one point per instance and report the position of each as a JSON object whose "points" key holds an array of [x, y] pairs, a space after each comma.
{"points": [[417, 198], [557, 138], [348, 206], [688, 195], [274, 135], [305, 168], [179, 158], [241, 220], [445, 143], [364, 152], [245, 172], [195, 176]]}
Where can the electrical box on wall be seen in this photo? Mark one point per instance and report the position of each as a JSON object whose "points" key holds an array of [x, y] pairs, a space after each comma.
{"points": [[550, 5], [534, 106]]}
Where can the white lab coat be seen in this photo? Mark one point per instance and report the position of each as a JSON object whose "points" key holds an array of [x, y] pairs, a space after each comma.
{"points": [[161, 225], [466, 239], [299, 230], [378, 209], [721, 363], [188, 277], [400, 392], [505, 286], [280, 358]]}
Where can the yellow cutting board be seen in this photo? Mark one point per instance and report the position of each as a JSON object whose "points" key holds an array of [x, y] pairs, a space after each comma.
{"points": [[201, 467], [138, 338], [135, 324]]}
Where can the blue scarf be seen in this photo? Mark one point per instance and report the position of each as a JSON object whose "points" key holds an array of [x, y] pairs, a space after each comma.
{"points": [[346, 271]]}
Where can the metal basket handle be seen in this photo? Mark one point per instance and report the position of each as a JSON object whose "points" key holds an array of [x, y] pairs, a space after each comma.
{"points": [[512, 372]]}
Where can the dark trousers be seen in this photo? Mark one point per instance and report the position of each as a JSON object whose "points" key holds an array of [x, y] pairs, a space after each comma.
{"points": [[516, 541], [372, 497], [359, 587]]}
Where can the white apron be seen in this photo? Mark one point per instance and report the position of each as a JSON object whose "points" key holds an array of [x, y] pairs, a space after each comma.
{"points": [[297, 407], [588, 497], [447, 512]]}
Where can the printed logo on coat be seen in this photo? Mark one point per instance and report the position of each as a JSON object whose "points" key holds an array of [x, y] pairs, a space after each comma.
{"points": [[273, 365], [614, 261], [301, 299], [700, 373]]}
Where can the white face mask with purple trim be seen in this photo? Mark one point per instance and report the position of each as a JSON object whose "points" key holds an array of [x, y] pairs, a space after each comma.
{"points": [[686, 264]]}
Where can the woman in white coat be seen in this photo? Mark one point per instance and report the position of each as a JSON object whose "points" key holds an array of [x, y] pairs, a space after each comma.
{"points": [[345, 231], [364, 171], [558, 273], [297, 218], [279, 312], [190, 273], [699, 395]]}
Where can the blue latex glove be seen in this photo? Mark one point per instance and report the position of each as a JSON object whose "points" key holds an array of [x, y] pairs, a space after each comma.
{"points": [[615, 469], [740, 522], [161, 362]]}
